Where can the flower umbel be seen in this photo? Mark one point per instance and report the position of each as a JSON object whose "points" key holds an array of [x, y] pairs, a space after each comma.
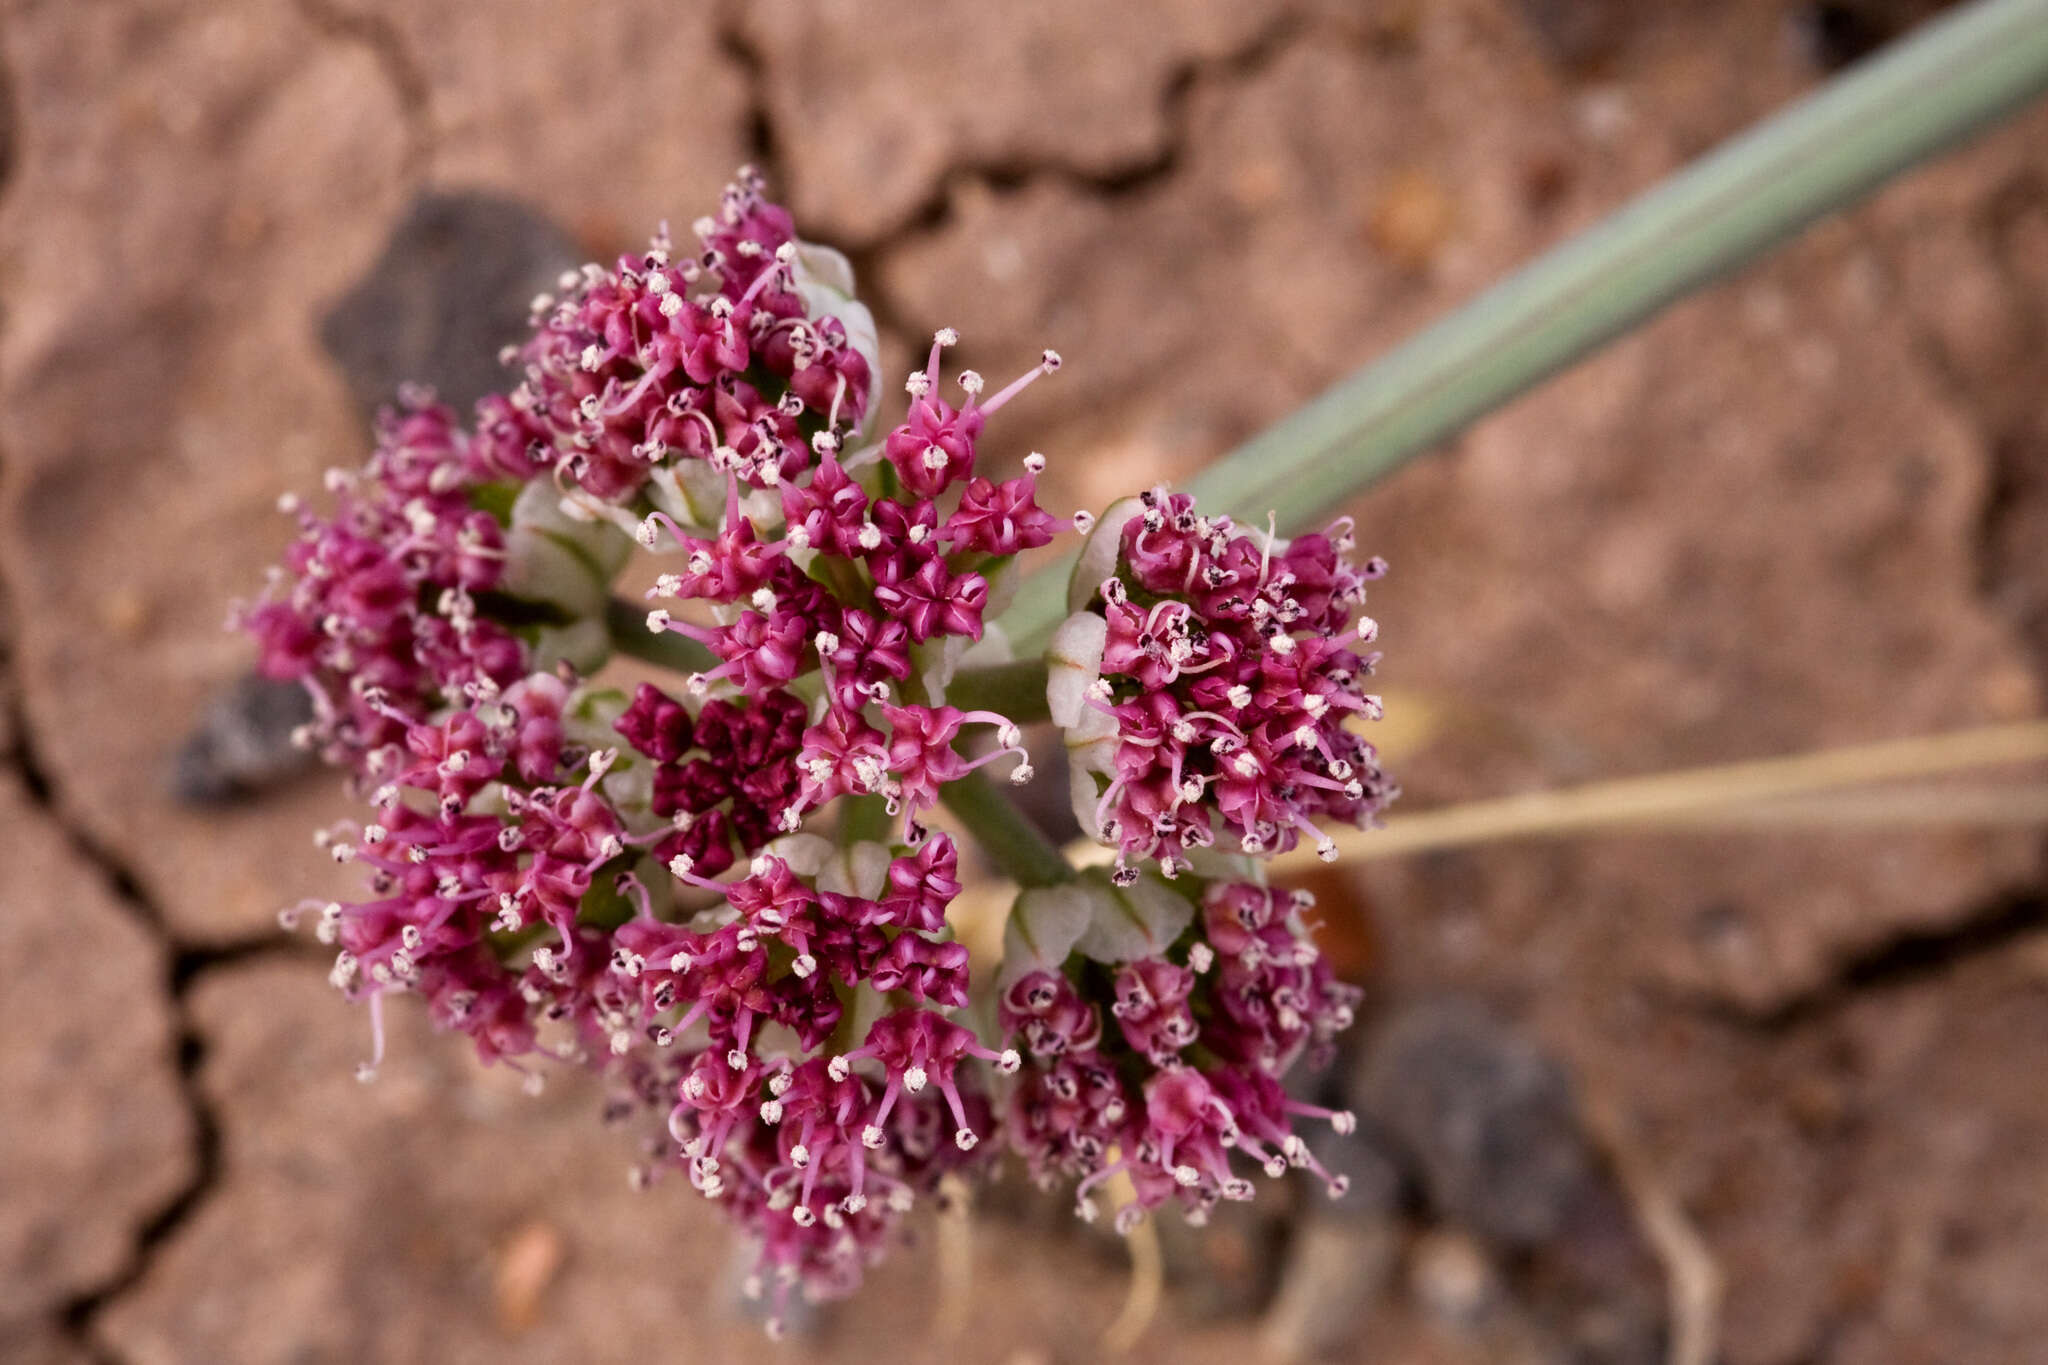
{"points": [[1209, 685], [722, 890]]}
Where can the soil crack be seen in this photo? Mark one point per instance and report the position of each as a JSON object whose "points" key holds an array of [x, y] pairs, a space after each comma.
{"points": [[1918, 955], [1006, 174]]}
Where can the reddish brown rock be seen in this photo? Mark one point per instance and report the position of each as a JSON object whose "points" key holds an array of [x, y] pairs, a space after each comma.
{"points": [[163, 249], [94, 1135], [39, 1344], [1866, 1177], [1193, 311], [1798, 567], [607, 118], [873, 104]]}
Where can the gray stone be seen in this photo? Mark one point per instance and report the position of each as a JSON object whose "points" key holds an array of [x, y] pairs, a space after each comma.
{"points": [[451, 289]]}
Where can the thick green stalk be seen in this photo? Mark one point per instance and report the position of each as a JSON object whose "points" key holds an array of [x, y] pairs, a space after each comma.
{"points": [[627, 625], [1947, 80], [1016, 690], [864, 819], [1010, 840]]}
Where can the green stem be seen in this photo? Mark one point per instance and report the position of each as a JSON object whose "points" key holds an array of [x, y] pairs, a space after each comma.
{"points": [[1016, 690], [1011, 841], [627, 625], [1950, 78], [864, 819]]}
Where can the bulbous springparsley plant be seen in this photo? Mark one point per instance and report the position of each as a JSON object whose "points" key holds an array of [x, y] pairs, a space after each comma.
{"points": [[725, 892]]}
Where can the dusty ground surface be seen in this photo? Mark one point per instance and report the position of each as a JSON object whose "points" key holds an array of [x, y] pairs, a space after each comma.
{"points": [[1804, 508]]}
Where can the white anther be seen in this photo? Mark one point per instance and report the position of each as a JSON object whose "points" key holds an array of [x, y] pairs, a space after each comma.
{"points": [[965, 1139], [1084, 522], [593, 356], [1201, 957], [1344, 1122], [839, 1068], [681, 866], [657, 621], [799, 1156], [1008, 1063], [971, 381], [946, 336], [918, 385], [871, 1137], [934, 458], [870, 536], [646, 533], [914, 1079], [1022, 774]]}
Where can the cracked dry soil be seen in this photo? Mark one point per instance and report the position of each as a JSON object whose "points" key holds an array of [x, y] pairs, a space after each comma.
{"points": [[1804, 508]]}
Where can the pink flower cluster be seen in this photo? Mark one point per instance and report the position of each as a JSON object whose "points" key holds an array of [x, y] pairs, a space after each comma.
{"points": [[654, 885], [381, 597], [1218, 673], [1206, 680], [543, 854], [1187, 1069]]}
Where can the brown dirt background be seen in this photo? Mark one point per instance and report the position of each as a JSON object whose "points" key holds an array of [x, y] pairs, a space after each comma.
{"points": [[1806, 507]]}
